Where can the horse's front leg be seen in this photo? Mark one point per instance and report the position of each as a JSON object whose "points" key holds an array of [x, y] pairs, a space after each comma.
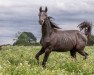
{"points": [[47, 52], [39, 53]]}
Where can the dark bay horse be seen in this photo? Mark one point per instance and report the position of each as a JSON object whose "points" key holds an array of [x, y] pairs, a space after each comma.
{"points": [[54, 39]]}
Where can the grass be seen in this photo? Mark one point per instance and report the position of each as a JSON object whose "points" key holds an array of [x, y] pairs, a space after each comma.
{"points": [[20, 60]]}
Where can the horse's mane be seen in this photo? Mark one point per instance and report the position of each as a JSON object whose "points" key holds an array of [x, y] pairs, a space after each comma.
{"points": [[53, 25]]}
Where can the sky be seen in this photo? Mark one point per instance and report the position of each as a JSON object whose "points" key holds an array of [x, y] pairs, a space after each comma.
{"points": [[22, 15]]}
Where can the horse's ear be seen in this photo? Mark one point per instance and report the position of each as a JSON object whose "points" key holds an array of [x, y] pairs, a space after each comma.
{"points": [[40, 9], [46, 9]]}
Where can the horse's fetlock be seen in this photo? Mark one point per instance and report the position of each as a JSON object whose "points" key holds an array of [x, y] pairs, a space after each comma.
{"points": [[43, 64], [36, 57]]}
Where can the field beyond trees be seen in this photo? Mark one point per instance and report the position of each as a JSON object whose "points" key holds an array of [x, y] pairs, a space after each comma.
{"points": [[20, 60]]}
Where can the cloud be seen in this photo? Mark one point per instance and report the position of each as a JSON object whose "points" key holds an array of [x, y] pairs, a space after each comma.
{"points": [[6, 40], [22, 15]]}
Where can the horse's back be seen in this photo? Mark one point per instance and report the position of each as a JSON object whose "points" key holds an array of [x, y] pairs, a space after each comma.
{"points": [[73, 33]]}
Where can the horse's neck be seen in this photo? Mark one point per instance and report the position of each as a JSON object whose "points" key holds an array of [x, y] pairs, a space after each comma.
{"points": [[46, 29]]}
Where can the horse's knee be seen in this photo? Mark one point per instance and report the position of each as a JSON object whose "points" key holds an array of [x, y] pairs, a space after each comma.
{"points": [[39, 53], [47, 51]]}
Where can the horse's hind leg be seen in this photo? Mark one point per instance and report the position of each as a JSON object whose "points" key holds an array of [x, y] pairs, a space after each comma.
{"points": [[39, 53], [47, 52], [86, 53], [83, 53], [73, 53]]}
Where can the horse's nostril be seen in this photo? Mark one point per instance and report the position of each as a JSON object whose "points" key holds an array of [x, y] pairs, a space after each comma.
{"points": [[41, 22]]}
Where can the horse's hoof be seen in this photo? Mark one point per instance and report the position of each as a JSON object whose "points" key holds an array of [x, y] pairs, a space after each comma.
{"points": [[44, 67]]}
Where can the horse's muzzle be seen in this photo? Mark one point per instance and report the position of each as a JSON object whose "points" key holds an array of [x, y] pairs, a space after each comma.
{"points": [[41, 22]]}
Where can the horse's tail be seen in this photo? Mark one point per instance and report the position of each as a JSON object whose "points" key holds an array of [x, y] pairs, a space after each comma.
{"points": [[87, 26], [88, 31]]}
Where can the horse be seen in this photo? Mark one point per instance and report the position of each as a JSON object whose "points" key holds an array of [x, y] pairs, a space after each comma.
{"points": [[55, 39]]}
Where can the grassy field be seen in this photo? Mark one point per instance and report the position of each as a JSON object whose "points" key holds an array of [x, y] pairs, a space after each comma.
{"points": [[20, 60]]}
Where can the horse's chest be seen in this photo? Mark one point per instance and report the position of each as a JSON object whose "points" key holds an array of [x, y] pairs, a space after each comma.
{"points": [[45, 41]]}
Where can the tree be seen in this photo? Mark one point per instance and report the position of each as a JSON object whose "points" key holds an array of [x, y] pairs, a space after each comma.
{"points": [[91, 40], [25, 38]]}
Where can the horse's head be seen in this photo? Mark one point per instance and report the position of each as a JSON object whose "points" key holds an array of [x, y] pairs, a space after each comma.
{"points": [[42, 15]]}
